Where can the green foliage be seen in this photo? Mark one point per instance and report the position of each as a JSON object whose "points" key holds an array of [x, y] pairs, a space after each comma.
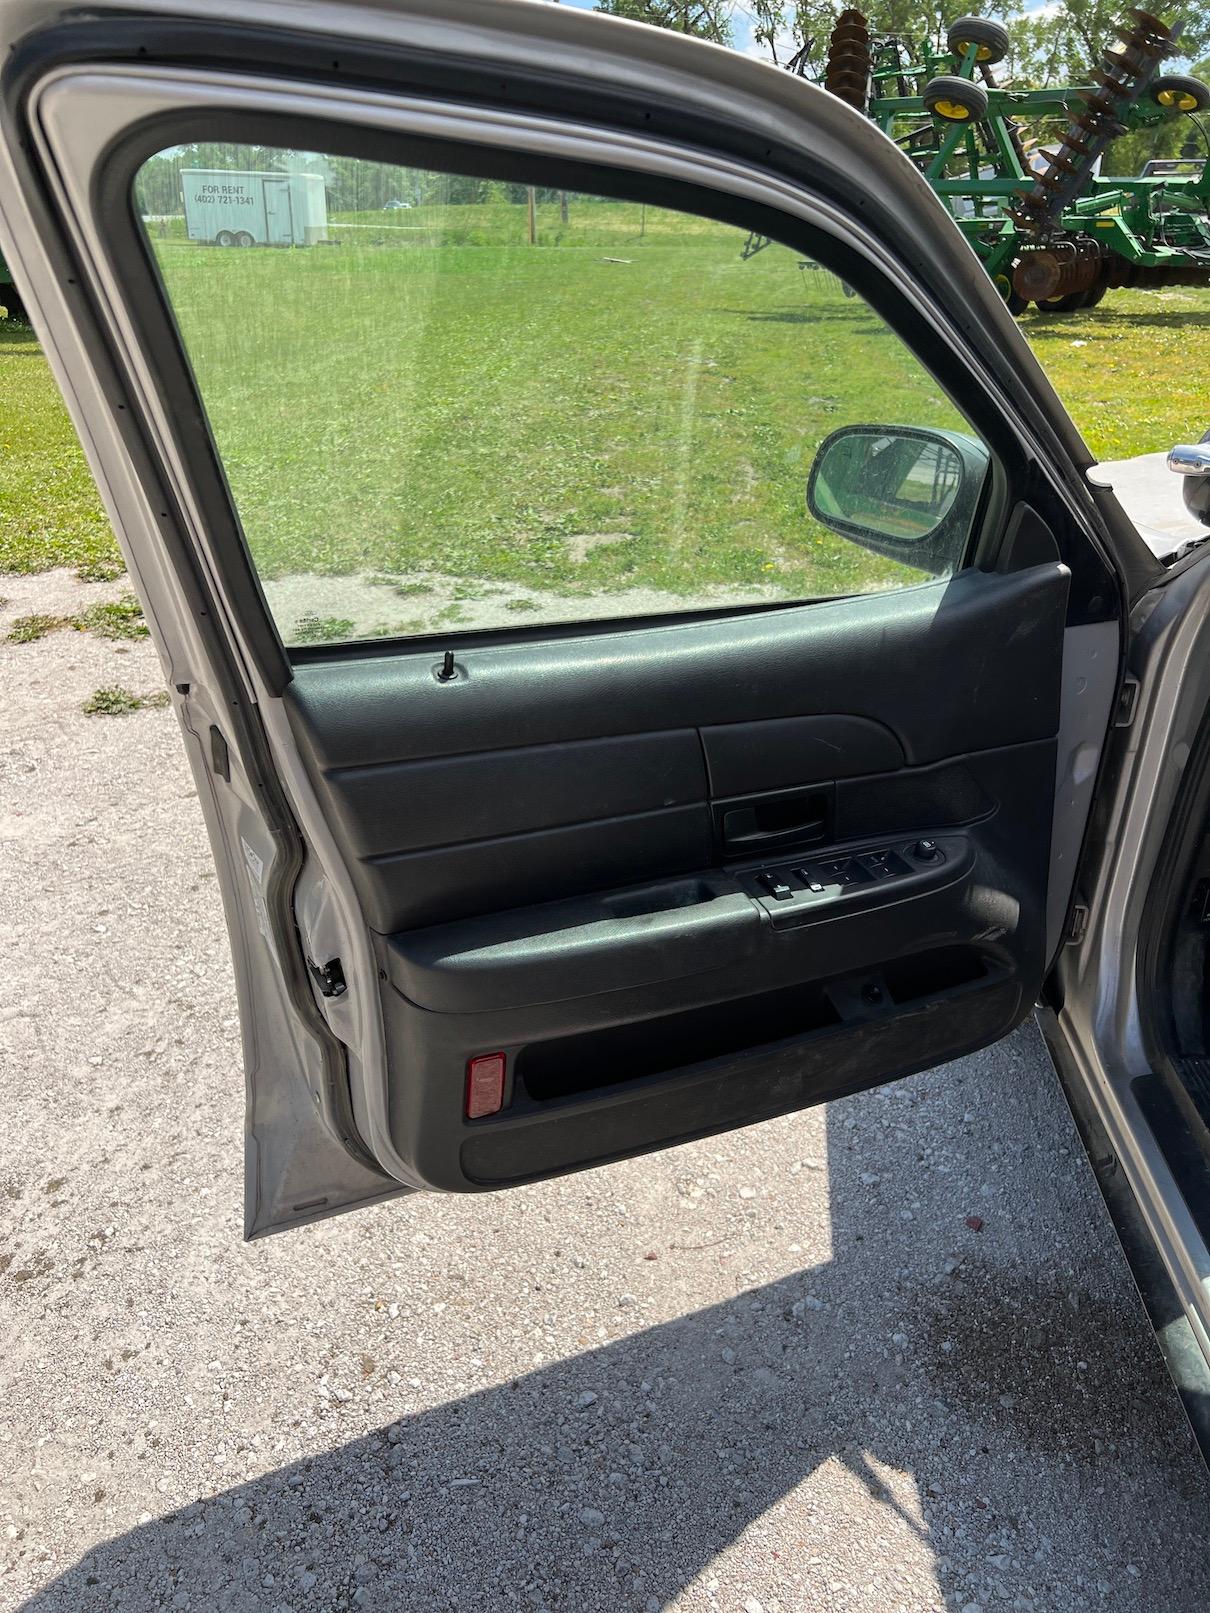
{"points": [[705, 19], [102, 569], [112, 619], [121, 619], [34, 626], [1063, 44], [50, 514], [119, 702]]}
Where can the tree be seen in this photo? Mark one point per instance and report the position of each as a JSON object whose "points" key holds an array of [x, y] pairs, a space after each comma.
{"points": [[1063, 44], [705, 19]]}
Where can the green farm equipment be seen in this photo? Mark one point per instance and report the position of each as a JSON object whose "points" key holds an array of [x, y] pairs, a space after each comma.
{"points": [[10, 298], [1019, 169]]}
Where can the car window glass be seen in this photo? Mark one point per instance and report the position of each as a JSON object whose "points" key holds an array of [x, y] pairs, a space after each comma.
{"points": [[446, 403]]}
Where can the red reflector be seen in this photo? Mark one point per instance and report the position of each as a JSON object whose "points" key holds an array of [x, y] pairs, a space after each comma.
{"points": [[485, 1086]]}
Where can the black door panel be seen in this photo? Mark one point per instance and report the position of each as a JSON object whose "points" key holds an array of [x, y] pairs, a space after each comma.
{"points": [[815, 1062], [695, 873], [548, 770], [947, 667]]}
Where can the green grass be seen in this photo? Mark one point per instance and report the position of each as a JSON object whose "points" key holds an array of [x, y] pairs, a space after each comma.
{"points": [[433, 396], [114, 619], [119, 702], [28, 629], [118, 618], [1133, 372], [50, 512], [477, 410]]}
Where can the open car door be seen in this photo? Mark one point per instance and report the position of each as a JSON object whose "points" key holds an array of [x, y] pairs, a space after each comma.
{"points": [[637, 618]]}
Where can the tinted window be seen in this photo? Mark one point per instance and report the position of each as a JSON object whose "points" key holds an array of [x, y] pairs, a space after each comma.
{"points": [[446, 403]]}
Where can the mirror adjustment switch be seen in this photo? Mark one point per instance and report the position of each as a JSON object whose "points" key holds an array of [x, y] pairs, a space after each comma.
{"points": [[776, 887]]}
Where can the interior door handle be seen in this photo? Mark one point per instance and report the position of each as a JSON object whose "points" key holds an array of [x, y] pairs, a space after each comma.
{"points": [[742, 830]]}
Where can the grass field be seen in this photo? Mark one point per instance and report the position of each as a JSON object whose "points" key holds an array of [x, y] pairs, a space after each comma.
{"points": [[625, 406]]}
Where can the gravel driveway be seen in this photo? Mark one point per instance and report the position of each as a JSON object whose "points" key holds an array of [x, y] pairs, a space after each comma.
{"points": [[880, 1356]]}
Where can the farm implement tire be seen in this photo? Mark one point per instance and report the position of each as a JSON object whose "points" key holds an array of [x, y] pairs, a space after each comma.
{"points": [[10, 300], [1180, 93], [992, 40], [955, 100], [1013, 300], [1070, 304]]}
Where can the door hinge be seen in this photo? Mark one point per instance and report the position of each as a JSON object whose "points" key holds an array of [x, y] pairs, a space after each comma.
{"points": [[1079, 923], [1128, 700], [329, 977]]}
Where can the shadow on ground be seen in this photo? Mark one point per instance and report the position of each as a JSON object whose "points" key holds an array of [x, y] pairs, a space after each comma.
{"points": [[974, 1413]]}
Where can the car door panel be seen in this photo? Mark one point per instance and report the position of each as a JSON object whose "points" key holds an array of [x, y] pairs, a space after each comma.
{"points": [[601, 784], [813, 1051], [574, 902]]}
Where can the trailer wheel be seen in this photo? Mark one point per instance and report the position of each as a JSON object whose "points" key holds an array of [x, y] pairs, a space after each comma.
{"points": [[955, 100], [224, 238], [244, 239], [1179, 93], [992, 40]]}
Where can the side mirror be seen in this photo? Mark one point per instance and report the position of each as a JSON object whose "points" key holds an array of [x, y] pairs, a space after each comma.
{"points": [[1192, 461], [901, 491]]}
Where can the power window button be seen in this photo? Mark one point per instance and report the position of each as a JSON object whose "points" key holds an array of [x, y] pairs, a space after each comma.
{"points": [[776, 887], [876, 863]]}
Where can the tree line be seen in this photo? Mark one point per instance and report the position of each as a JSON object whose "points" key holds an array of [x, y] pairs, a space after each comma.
{"points": [[353, 184]]}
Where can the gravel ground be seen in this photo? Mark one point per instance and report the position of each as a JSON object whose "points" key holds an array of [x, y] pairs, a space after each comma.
{"points": [[880, 1356]]}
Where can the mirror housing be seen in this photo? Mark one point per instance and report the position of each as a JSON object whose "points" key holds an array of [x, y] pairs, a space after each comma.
{"points": [[901, 491], [1191, 461]]}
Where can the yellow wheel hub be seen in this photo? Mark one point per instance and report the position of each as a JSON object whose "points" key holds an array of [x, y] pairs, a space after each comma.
{"points": [[982, 52], [1181, 99], [953, 111]]}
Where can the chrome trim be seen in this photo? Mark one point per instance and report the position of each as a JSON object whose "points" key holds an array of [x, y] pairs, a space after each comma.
{"points": [[1190, 459]]}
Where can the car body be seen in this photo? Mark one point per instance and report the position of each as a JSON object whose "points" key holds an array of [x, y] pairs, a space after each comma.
{"points": [[628, 866]]}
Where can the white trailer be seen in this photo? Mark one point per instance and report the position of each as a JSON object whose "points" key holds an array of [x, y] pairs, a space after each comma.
{"points": [[232, 208]]}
